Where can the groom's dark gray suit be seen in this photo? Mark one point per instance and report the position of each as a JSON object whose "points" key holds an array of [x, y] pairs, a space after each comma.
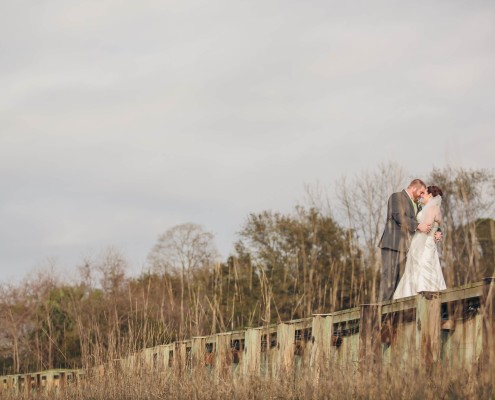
{"points": [[400, 225]]}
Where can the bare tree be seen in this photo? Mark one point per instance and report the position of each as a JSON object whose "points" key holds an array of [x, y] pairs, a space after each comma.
{"points": [[469, 198], [183, 249], [363, 205], [112, 266], [16, 309]]}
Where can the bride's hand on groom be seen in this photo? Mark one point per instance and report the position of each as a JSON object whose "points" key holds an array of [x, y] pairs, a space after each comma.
{"points": [[425, 228]]}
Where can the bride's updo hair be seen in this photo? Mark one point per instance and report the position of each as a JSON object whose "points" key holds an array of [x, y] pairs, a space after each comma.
{"points": [[434, 191]]}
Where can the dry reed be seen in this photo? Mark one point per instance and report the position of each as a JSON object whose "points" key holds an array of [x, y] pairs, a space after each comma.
{"points": [[142, 385]]}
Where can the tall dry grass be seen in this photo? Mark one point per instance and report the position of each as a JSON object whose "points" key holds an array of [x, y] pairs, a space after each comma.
{"points": [[336, 384]]}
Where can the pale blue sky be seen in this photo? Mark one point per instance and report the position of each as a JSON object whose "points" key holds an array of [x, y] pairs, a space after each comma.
{"points": [[120, 119]]}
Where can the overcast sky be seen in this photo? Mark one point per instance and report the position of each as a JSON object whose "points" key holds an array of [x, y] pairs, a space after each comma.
{"points": [[121, 119]]}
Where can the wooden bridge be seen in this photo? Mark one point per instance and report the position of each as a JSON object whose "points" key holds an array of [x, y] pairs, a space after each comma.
{"points": [[454, 329]]}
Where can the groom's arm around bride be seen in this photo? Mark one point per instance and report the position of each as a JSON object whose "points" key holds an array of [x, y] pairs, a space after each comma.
{"points": [[401, 223]]}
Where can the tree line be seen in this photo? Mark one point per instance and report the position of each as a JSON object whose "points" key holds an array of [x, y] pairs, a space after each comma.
{"points": [[319, 258]]}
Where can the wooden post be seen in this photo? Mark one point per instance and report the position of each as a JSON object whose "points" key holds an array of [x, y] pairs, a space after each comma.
{"points": [[223, 362], [23, 384], [428, 321], [147, 359], [488, 328], [322, 336], [180, 357], [198, 349], [285, 349], [50, 381], [370, 343], [162, 358], [168, 357], [252, 352]]}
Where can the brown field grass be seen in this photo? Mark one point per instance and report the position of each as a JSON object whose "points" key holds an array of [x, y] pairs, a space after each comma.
{"points": [[336, 384]]}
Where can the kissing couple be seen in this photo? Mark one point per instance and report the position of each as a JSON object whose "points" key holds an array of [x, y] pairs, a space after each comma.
{"points": [[409, 242]]}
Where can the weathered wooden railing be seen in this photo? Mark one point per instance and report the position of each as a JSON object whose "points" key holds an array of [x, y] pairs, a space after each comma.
{"points": [[454, 328], [51, 380]]}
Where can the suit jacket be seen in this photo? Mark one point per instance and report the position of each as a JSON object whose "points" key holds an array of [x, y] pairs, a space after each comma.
{"points": [[401, 223]]}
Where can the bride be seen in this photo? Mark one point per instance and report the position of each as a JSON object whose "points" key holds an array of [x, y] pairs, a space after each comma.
{"points": [[423, 272]]}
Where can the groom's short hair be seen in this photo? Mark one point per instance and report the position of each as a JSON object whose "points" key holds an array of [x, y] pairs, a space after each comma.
{"points": [[416, 183]]}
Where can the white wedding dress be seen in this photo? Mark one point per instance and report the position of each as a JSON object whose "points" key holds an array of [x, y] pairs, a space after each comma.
{"points": [[423, 272]]}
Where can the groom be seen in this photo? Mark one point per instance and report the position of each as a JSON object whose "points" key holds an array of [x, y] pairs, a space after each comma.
{"points": [[400, 226]]}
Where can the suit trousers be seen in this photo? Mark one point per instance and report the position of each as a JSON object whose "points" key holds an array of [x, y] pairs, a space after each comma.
{"points": [[393, 264]]}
